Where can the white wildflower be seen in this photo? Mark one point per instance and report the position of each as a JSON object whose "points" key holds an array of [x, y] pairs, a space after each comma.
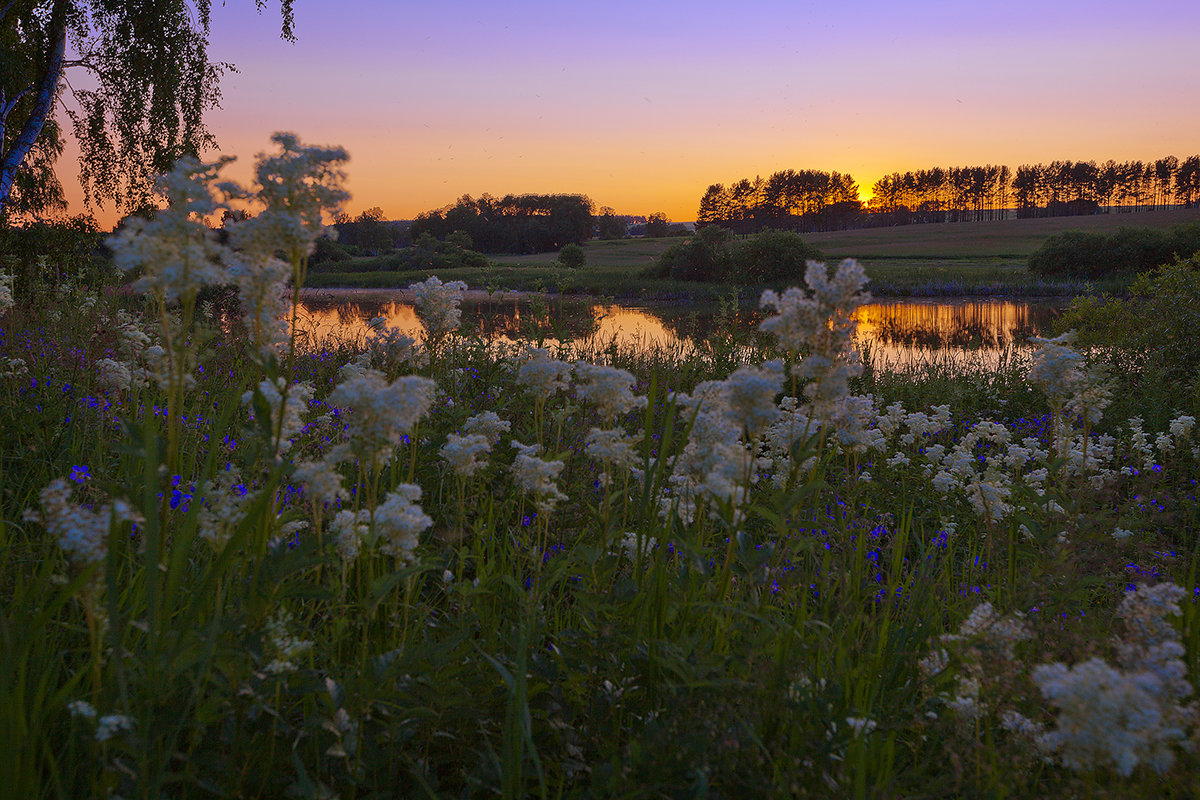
{"points": [[438, 305], [608, 388]]}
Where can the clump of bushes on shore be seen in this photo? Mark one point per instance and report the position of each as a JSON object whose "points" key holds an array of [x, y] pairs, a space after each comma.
{"points": [[713, 254], [1123, 250]]}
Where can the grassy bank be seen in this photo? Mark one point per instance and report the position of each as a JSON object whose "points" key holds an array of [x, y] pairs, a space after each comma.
{"points": [[961, 259]]}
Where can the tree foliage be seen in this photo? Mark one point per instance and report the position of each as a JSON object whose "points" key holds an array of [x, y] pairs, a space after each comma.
{"points": [[1094, 255], [528, 223], [769, 257], [150, 80]]}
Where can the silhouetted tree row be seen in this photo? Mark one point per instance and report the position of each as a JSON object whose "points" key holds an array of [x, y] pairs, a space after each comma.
{"points": [[527, 223], [1060, 188], [803, 200], [809, 200]]}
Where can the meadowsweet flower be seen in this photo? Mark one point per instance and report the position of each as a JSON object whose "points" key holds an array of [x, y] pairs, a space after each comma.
{"points": [[176, 251], [6, 292], [489, 425], [1181, 427], [612, 448], [536, 476], [393, 349], [438, 305], [462, 453], [82, 534], [399, 520], [111, 725], [542, 374], [223, 507], [382, 412], [299, 186], [81, 708], [291, 423], [608, 388], [283, 645], [350, 530], [751, 395], [819, 325], [1129, 714], [320, 480]]}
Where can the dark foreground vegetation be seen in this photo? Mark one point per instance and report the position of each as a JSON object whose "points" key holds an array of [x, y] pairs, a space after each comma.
{"points": [[236, 565]]}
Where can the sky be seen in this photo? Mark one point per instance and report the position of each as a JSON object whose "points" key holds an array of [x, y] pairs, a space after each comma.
{"points": [[642, 105]]}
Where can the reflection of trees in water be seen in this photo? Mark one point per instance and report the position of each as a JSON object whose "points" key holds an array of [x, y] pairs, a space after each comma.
{"points": [[955, 325], [528, 319], [709, 324], [905, 326]]}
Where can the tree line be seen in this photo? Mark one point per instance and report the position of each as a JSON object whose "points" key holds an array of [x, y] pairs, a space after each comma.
{"points": [[805, 199], [811, 200], [527, 223]]}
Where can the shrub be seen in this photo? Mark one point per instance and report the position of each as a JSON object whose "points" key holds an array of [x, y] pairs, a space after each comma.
{"points": [[772, 257], [712, 255], [703, 257], [1126, 250], [328, 251], [572, 256], [49, 253], [1151, 338]]}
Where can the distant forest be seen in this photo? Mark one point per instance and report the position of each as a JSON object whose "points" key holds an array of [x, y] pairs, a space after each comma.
{"points": [[527, 223], [810, 200]]}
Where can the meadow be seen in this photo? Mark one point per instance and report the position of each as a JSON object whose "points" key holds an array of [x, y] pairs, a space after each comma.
{"points": [[238, 565], [951, 259]]}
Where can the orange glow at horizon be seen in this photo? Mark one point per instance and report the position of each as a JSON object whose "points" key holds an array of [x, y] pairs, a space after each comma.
{"points": [[470, 98]]}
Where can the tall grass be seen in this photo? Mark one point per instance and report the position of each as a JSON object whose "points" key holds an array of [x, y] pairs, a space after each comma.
{"points": [[608, 645]]}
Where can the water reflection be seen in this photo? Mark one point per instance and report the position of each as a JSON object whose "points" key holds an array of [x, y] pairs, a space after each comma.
{"points": [[897, 332]]}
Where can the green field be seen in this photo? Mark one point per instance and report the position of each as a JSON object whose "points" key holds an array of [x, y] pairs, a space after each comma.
{"points": [[974, 258]]}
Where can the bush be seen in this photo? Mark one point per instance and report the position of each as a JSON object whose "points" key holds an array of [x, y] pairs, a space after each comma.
{"points": [[328, 251], [572, 256], [1095, 255], [772, 257], [1150, 339], [48, 253], [703, 257], [712, 255]]}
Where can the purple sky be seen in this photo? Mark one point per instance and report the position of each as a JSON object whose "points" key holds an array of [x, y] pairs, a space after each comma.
{"points": [[642, 105]]}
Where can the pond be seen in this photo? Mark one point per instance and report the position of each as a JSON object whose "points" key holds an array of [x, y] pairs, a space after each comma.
{"points": [[894, 332]]}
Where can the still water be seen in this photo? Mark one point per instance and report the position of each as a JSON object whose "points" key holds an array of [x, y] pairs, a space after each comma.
{"points": [[897, 332]]}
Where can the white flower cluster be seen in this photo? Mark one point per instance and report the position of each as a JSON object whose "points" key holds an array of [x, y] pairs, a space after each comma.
{"points": [[614, 449], [463, 452], [536, 476], [985, 643], [1067, 381], [381, 412], [1129, 714], [543, 374], [608, 388], [287, 423], [176, 251], [818, 325], [283, 645], [438, 305], [396, 523], [6, 292], [391, 350], [82, 534], [223, 507]]}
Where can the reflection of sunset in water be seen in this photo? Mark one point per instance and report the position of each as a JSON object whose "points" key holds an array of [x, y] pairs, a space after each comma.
{"points": [[903, 332], [898, 333]]}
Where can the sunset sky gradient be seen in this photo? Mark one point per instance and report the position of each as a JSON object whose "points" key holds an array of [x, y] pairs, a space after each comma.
{"points": [[641, 105]]}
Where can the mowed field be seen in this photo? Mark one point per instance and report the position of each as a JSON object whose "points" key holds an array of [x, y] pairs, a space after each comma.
{"points": [[1001, 241]]}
